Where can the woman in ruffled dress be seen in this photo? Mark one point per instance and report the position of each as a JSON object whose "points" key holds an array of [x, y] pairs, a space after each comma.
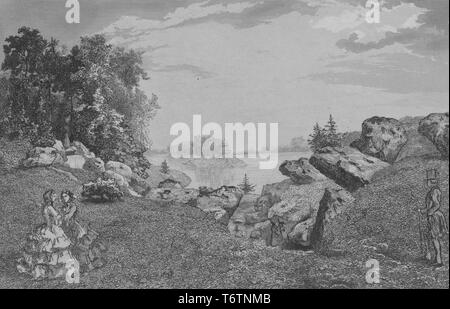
{"points": [[86, 246], [47, 253]]}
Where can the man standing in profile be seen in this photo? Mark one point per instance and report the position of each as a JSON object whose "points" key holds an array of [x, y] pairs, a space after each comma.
{"points": [[436, 222]]}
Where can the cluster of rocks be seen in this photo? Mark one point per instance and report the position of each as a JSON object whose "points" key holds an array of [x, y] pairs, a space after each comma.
{"points": [[296, 212], [79, 157]]}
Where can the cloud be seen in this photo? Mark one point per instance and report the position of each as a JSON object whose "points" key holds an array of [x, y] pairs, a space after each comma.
{"points": [[424, 32], [178, 17]]}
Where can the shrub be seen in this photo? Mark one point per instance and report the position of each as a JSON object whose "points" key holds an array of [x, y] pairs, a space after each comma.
{"points": [[102, 191]]}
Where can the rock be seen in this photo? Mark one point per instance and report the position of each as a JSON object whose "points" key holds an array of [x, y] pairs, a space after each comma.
{"points": [[75, 161], [331, 205], [139, 185], [300, 210], [95, 165], [261, 230], [120, 168], [156, 177], [59, 146], [184, 196], [347, 166], [435, 128], [42, 157], [417, 145], [382, 138], [301, 171], [276, 190], [170, 184], [247, 215], [223, 199], [78, 148], [120, 181]]}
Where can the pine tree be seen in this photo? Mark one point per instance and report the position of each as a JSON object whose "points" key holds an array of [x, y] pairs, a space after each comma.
{"points": [[245, 186], [165, 167], [332, 137], [317, 140]]}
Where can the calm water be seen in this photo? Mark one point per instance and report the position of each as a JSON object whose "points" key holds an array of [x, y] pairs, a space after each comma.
{"points": [[216, 177]]}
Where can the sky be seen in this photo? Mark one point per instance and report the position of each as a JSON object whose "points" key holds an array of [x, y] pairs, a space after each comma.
{"points": [[291, 62]]}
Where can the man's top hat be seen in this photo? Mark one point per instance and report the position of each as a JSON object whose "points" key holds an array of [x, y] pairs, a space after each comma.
{"points": [[432, 176]]}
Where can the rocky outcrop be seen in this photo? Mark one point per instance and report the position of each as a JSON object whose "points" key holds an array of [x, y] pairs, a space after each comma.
{"points": [[222, 202], [382, 138], [417, 145], [301, 171], [347, 166], [43, 156], [295, 217], [435, 128], [119, 168]]}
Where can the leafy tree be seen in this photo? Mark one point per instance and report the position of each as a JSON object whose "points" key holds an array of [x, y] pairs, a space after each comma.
{"points": [[90, 94], [165, 167], [246, 186]]}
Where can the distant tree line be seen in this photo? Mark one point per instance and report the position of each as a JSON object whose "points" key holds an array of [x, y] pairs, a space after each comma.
{"points": [[89, 93]]}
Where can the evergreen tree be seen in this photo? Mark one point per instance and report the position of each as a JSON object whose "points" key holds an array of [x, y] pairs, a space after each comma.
{"points": [[332, 137], [165, 167], [317, 140], [246, 186]]}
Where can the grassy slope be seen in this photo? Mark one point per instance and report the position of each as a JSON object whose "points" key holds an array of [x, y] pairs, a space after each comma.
{"points": [[385, 212], [180, 247]]}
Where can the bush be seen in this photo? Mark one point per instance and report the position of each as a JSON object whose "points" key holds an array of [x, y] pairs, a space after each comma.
{"points": [[102, 191]]}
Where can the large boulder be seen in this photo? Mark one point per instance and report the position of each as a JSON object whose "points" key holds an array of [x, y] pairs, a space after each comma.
{"points": [[276, 190], [40, 156], [301, 171], [75, 161], [417, 145], [94, 165], [119, 168], [435, 128], [297, 220], [347, 166], [382, 138]]}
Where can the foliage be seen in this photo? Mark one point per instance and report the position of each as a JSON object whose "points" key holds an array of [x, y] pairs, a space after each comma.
{"points": [[102, 191], [246, 186], [165, 167], [89, 94], [325, 137]]}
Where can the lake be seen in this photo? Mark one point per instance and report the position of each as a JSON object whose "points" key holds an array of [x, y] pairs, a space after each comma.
{"points": [[218, 176]]}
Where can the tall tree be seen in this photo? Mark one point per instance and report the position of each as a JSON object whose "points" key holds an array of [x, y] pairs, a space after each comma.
{"points": [[332, 137], [317, 140]]}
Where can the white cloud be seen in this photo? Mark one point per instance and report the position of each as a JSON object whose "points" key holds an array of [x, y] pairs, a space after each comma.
{"points": [[183, 14]]}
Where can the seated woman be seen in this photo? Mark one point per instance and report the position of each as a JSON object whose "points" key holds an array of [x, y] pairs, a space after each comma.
{"points": [[46, 253], [86, 246]]}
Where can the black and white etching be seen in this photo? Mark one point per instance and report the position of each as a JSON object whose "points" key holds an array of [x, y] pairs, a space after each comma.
{"points": [[224, 144]]}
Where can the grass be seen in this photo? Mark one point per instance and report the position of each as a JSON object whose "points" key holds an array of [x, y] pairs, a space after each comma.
{"points": [[175, 246]]}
